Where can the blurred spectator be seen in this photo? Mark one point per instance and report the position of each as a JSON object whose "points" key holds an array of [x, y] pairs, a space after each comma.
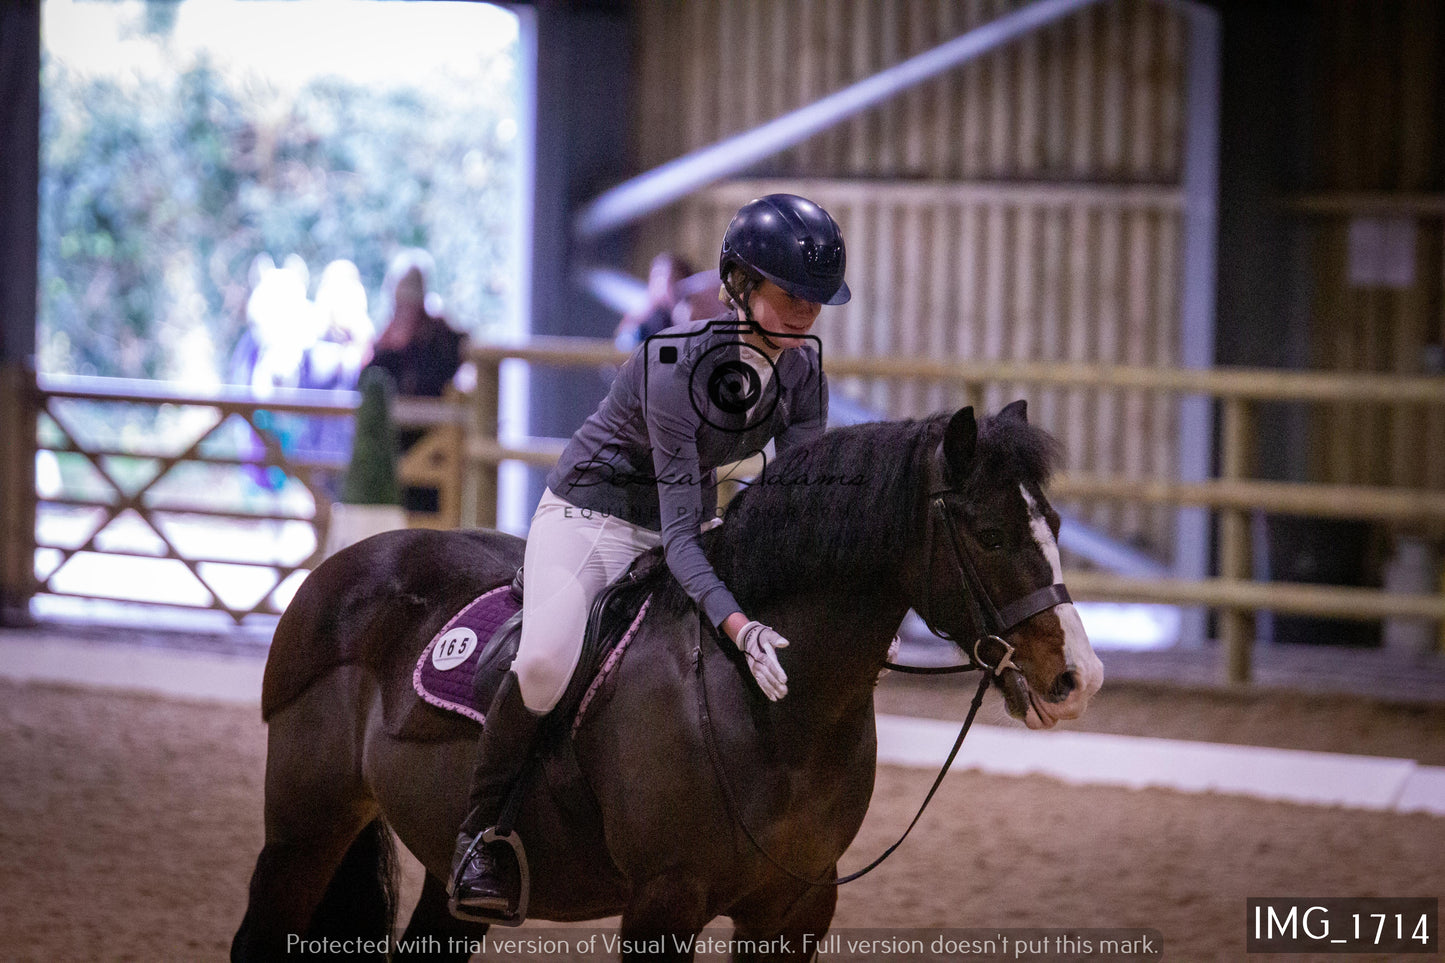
{"points": [[281, 324], [699, 298], [243, 355], [248, 346], [667, 272], [333, 362], [418, 349]]}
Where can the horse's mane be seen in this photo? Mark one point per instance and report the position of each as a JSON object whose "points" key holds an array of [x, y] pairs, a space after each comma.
{"points": [[846, 502]]}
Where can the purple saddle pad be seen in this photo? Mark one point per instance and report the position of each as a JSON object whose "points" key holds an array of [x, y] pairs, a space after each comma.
{"points": [[444, 673]]}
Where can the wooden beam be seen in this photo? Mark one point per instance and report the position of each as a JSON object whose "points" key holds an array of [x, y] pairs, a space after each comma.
{"points": [[1271, 384], [1283, 498], [1353, 203], [1327, 601], [1051, 193], [19, 246], [641, 195], [18, 408]]}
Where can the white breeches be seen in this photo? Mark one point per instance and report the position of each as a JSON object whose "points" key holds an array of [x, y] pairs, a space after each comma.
{"points": [[572, 554]]}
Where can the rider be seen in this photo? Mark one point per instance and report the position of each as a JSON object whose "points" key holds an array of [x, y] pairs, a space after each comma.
{"points": [[641, 472]]}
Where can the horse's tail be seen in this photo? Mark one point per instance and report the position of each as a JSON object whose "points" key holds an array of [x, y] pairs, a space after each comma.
{"points": [[360, 901]]}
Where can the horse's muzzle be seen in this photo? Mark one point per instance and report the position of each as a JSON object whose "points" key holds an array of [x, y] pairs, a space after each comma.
{"points": [[1016, 693]]}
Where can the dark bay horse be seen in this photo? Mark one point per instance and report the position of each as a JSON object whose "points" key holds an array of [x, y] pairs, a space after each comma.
{"points": [[832, 546]]}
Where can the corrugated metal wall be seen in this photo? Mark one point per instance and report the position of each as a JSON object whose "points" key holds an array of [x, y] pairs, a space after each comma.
{"points": [[1380, 129], [1023, 206]]}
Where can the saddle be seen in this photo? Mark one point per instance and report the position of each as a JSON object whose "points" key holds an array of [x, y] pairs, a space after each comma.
{"points": [[461, 668]]}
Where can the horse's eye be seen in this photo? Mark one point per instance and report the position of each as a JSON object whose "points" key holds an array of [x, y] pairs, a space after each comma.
{"points": [[991, 539]]}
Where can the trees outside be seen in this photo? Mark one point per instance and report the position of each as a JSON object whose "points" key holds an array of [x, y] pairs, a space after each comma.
{"points": [[159, 189], [181, 142]]}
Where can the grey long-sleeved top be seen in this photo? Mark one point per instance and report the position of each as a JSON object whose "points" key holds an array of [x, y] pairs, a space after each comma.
{"points": [[650, 451]]}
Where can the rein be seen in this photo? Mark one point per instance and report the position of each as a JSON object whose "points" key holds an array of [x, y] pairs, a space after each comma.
{"points": [[735, 811], [994, 624]]}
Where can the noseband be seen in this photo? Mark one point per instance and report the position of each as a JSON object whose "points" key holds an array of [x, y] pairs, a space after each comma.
{"points": [[990, 651]]}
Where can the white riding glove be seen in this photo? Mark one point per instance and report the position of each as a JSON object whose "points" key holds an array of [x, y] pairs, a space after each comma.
{"points": [[893, 649], [760, 644]]}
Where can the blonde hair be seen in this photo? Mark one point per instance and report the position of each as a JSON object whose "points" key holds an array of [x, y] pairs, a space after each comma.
{"points": [[745, 282]]}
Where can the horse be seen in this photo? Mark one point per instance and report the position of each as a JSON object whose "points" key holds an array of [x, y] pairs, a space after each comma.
{"points": [[625, 816]]}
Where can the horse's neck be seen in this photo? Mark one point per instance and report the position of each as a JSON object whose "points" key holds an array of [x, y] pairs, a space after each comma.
{"points": [[837, 644]]}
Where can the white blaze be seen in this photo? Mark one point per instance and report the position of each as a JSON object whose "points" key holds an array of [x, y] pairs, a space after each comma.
{"points": [[1079, 654]]}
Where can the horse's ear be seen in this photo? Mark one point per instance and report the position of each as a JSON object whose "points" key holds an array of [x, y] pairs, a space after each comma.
{"points": [[1016, 411], [959, 441]]}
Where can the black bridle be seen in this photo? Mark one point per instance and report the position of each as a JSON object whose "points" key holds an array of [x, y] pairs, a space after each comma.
{"points": [[993, 624]]}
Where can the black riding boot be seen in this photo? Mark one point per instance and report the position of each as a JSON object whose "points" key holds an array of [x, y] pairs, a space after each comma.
{"points": [[487, 879]]}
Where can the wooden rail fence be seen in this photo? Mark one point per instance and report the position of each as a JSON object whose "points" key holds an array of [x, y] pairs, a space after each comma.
{"points": [[1232, 496], [144, 480], [460, 454]]}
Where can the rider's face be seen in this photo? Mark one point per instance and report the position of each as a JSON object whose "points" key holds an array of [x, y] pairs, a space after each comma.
{"points": [[775, 310]]}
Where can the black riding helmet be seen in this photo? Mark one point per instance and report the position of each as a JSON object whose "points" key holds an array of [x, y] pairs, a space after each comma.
{"points": [[792, 242]]}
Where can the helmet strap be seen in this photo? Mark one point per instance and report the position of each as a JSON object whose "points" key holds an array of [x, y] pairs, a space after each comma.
{"points": [[745, 311]]}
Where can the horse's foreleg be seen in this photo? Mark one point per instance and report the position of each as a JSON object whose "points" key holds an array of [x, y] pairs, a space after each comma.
{"points": [[434, 934], [792, 931], [662, 919]]}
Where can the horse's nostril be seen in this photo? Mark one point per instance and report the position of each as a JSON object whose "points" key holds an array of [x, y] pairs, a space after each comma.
{"points": [[1063, 685]]}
